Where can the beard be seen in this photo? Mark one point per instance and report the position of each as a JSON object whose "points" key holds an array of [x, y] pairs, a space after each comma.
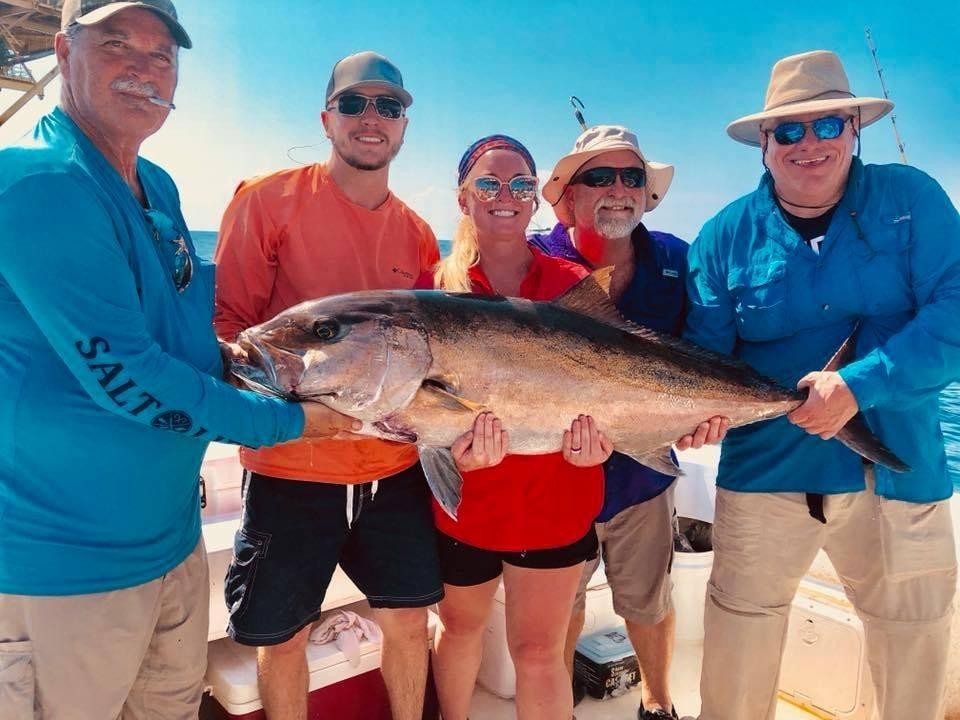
{"points": [[615, 228], [342, 148]]}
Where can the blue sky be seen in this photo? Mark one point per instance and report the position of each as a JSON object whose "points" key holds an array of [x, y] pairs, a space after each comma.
{"points": [[675, 72]]}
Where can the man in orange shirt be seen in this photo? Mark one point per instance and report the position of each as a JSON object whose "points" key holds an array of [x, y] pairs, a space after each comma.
{"points": [[296, 235]]}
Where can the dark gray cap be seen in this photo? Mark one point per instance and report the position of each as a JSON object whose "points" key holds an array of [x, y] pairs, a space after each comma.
{"points": [[91, 12], [367, 68]]}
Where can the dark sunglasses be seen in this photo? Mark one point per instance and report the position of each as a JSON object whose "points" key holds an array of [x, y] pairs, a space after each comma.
{"points": [[631, 177], [387, 107], [167, 238], [523, 188], [825, 128]]}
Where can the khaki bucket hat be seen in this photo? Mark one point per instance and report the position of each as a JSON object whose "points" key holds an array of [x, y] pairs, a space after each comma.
{"points": [[809, 82], [597, 141]]}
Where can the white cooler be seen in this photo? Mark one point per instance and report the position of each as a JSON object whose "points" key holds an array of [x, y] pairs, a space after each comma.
{"points": [[232, 678]]}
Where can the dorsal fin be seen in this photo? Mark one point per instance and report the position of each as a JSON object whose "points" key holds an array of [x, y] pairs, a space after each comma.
{"points": [[591, 297]]}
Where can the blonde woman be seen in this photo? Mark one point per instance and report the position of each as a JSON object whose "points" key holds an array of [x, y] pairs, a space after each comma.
{"points": [[527, 518]]}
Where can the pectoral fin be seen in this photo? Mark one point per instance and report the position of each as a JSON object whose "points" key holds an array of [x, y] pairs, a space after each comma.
{"points": [[448, 399], [442, 476], [660, 460]]}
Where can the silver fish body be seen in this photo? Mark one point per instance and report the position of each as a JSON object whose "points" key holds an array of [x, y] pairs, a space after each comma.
{"points": [[417, 366]]}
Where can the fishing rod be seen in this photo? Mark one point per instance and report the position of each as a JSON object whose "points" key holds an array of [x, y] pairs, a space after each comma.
{"points": [[886, 95], [577, 107]]}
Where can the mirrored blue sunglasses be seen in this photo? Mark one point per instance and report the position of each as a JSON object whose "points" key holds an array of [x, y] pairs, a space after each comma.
{"points": [[523, 188], [825, 128], [168, 238]]}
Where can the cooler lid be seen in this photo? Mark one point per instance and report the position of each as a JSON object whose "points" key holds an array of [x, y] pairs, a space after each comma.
{"points": [[606, 645], [232, 668]]}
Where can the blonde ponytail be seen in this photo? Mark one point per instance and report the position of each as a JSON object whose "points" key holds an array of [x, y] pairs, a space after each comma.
{"points": [[453, 272]]}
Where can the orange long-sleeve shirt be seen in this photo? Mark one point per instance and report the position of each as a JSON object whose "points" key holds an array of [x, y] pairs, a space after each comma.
{"points": [[294, 236]]}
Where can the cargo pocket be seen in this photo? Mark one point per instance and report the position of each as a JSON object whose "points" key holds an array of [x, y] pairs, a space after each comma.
{"points": [[759, 294], [249, 548], [917, 538], [16, 681]]}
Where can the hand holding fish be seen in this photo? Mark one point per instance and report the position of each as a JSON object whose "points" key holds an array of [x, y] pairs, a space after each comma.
{"points": [[484, 446], [829, 405], [709, 432], [584, 445], [322, 422], [231, 353]]}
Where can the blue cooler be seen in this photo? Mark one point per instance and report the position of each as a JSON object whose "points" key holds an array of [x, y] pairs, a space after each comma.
{"points": [[605, 663]]}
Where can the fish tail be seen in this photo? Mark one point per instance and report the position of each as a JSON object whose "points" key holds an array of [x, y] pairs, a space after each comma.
{"points": [[858, 437]]}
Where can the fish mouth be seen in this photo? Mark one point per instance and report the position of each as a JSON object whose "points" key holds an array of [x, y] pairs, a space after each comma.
{"points": [[258, 371], [275, 371]]}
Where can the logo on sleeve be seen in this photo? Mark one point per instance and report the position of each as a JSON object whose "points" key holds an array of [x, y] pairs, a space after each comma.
{"points": [[175, 420]]}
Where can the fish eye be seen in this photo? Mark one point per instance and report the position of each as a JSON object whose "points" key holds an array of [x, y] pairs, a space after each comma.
{"points": [[326, 329]]}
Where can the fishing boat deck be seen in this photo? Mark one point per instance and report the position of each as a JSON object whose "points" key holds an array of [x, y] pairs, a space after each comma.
{"points": [[684, 683]]}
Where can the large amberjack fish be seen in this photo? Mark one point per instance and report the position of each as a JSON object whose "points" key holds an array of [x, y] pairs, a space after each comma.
{"points": [[417, 366]]}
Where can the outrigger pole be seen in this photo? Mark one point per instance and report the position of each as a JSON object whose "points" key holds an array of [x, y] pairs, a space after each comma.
{"points": [[27, 31], [886, 95]]}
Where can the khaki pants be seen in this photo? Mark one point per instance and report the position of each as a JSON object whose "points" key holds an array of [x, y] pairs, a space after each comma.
{"points": [[637, 548], [135, 653], [897, 563]]}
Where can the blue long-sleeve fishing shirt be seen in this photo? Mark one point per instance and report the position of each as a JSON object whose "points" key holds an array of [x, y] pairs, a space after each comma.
{"points": [[891, 260], [109, 389]]}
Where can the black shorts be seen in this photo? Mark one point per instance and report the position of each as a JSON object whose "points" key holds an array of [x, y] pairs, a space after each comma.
{"points": [[295, 533], [465, 565]]}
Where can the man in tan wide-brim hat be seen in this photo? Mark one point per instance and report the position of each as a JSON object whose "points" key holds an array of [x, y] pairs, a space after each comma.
{"points": [[827, 246], [600, 192], [591, 144]]}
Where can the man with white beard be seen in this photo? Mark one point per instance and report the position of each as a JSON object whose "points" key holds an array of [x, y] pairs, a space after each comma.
{"points": [[599, 193]]}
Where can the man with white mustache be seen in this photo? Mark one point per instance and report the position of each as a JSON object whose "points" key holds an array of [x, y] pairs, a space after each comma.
{"points": [[112, 390], [599, 193]]}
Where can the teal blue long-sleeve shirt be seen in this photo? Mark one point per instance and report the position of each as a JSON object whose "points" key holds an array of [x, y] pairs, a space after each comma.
{"points": [[109, 386], [890, 260]]}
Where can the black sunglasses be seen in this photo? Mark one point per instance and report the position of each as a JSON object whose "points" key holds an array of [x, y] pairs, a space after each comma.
{"points": [[631, 177], [386, 106], [825, 128], [167, 237]]}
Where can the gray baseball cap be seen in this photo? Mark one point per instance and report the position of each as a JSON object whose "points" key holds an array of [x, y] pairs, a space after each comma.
{"points": [[91, 12], [367, 68]]}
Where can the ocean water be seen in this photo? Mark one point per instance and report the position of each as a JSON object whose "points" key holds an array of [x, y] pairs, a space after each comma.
{"points": [[206, 241]]}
